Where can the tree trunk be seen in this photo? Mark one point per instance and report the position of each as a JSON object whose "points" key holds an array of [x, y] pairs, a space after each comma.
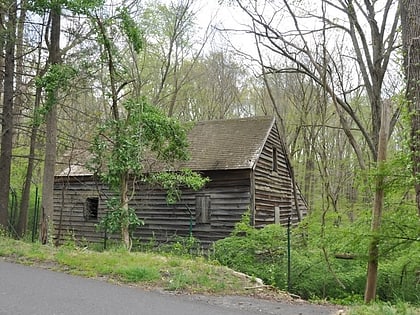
{"points": [[125, 234], [373, 254], [47, 204], [24, 203], [413, 97], [7, 115], [26, 192], [3, 13], [20, 86], [410, 24]]}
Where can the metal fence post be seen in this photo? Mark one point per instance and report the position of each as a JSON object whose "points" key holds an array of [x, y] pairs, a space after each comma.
{"points": [[289, 277], [35, 217]]}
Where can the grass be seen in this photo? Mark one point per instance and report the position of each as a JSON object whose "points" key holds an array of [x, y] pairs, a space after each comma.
{"points": [[170, 272], [384, 309]]}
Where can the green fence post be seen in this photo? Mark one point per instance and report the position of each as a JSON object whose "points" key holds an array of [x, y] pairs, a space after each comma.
{"points": [[289, 281]]}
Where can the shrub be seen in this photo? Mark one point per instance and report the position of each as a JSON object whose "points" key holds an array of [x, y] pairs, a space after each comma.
{"points": [[260, 253], [312, 278], [315, 272]]}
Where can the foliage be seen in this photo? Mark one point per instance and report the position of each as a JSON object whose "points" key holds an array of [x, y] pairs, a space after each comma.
{"points": [[121, 146], [117, 217], [399, 250], [381, 308], [76, 6], [131, 30], [124, 147], [179, 246], [317, 272], [55, 79], [173, 181], [259, 253], [312, 277]]}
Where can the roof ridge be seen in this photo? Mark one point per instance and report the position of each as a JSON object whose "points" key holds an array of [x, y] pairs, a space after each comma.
{"points": [[262, 117]]}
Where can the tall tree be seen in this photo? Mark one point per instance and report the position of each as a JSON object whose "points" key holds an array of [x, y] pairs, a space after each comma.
{"points": [[214, 90], [370, 29], [56, 78], [20, 101], [410, 24], [172, 53], [3, 14], [135, 130], [54, 59], [7, 114]]}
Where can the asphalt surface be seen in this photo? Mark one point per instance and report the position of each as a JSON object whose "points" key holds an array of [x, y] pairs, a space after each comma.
{"points": [[29, 290]]}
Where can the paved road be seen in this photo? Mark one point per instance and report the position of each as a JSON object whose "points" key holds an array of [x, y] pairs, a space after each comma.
{"points": [[28, 290]]}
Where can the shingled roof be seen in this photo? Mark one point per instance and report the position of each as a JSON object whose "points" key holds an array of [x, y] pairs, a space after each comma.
{"points": [[213, 145], [227, 144]]}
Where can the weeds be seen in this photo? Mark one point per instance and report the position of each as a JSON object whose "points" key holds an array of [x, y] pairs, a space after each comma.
{"points": [[165, 270], [400, 308]]}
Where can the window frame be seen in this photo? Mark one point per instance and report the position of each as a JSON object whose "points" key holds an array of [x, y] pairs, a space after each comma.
{"points": [[202, 209], [91, 208]]}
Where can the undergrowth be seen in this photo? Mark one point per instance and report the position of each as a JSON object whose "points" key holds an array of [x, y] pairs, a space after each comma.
{"points": [[316, 272]]}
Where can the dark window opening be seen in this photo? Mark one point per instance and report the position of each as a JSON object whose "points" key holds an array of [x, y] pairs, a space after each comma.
{"points": [[202, 209], [91, 208], [274, 166]]}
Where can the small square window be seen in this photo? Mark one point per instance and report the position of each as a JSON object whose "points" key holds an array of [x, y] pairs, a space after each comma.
{"points": [[91, 208]]}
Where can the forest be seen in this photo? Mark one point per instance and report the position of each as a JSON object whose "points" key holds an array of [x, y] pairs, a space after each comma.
{"points": [[341, 77]]}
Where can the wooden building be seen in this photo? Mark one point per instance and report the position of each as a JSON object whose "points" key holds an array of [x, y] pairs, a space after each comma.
{"points": [[248, 169]]}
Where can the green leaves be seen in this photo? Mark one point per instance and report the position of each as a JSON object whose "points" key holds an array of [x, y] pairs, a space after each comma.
{"points": [[121, 150], [119, 217], [257, 252], [131, 30], [122, 147], [76, 6], [173, 181], [164, 135], [56, 79]]}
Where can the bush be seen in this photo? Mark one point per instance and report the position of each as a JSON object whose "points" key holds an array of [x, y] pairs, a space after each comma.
{"points": [[259, 253], [399, 276], [312, 278], [315, 272]]}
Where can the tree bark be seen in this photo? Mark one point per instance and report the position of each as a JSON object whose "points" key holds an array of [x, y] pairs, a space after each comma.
{"points": [[410, 24], [26, 192], [7, 115], [2, 43], [125, 233], [20, 88], [47, 204], [373, 254]]}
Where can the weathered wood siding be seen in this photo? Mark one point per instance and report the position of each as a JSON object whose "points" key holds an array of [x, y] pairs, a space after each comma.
{"points": [[226, 196], [69, 219], [273, 185]]}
